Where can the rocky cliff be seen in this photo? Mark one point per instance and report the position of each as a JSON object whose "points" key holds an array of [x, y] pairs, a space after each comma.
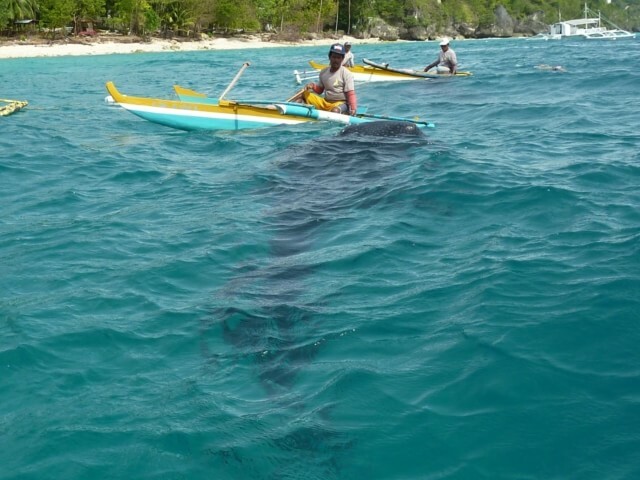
{"points": [[501, 25]]}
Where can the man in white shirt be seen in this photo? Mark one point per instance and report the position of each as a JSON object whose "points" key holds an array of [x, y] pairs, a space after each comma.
{"points": [[447, 61], [349, 59]]}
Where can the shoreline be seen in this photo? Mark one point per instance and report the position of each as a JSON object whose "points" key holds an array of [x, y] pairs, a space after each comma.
{"points": [[110, 46]]}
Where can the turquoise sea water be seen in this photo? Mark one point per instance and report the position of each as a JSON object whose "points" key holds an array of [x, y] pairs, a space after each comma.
{"points": [[292, 304]]}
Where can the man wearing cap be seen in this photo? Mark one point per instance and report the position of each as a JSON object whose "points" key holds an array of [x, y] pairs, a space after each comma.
{"points": [[447, 61], [336, 82], [349, 59]]}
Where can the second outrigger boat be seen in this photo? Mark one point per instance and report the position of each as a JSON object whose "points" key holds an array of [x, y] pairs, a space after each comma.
{"points": [[377, 72]]}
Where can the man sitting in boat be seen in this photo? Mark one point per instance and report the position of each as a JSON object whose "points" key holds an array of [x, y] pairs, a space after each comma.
{"points": [[337, 84], [447, 61], [349, 59]]}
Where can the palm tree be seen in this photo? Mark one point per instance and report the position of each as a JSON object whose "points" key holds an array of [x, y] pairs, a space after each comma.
{"points": [[22, 9]]}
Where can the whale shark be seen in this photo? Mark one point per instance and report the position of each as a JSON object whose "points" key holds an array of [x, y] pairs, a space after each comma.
{"points": [[384, 128], [311, 189], [274, 315]]}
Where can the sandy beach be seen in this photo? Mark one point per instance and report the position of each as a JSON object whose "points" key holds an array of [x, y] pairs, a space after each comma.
{"points": [[107, 46]]}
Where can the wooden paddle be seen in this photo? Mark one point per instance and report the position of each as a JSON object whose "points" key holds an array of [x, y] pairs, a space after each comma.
{"points": [[296, 96]]}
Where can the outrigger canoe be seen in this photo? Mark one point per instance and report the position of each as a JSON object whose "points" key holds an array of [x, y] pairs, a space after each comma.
{"points": [[385, 67], [379, 72], [196, 111]]}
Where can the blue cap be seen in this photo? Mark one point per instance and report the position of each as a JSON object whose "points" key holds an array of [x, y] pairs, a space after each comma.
{"points": [[337, 48]]}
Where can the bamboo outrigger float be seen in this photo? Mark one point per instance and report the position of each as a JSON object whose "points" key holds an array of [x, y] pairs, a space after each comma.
{"points": [[11, 106]]}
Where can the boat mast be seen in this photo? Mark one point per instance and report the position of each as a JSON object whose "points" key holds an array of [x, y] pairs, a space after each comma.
{"points": [[586, 14]]}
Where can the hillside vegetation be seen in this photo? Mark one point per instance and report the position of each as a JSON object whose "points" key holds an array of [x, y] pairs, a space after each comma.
{"points": [[294, 19]]}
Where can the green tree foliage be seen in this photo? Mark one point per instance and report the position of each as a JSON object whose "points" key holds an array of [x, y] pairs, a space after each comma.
{"points": [[129, 16], [12, 10], [300, 16], [86, 10], [20, 9], [187, 17], [171, 16], [5, 16], [56, 15], [230, 15], [391, 10]]}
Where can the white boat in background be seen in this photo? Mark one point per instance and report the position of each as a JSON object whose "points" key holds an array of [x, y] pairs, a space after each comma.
{"points": [[590, 27]]}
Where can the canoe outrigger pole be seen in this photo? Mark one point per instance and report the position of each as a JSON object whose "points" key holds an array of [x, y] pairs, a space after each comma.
{"points": [[235, 79]]}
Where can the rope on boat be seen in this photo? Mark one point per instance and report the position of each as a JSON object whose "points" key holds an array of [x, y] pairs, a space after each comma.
{"points": [[11, 106]]}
